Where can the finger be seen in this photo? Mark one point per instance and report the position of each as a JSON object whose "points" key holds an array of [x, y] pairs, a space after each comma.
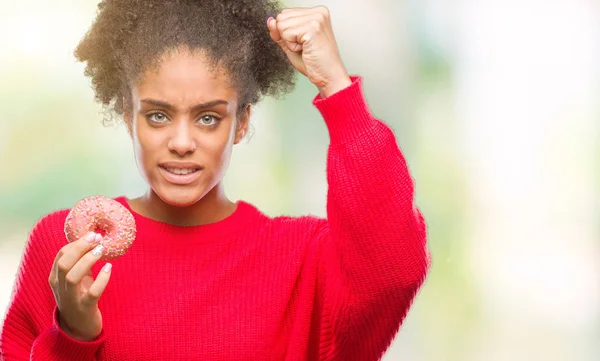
{"points": [[276, 36], [293, 21], [294, 37], [53, 272], [290, 12], [282, 16], [91, 297], [298, 11], [80, 269], [72, 253], [52, 279], [273, 31], [296, 30], [294, 10]]}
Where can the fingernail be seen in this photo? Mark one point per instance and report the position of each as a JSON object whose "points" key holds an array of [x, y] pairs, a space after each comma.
{"points": [[90, 237], [269, 20], [98, 237], [98, 250], [107, 267]]}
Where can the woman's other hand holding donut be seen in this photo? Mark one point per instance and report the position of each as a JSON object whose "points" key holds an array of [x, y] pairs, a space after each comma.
{"points": [[75, 290]]}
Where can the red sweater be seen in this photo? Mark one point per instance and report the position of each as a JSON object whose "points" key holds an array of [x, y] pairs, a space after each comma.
{"points": [[251, 287]]}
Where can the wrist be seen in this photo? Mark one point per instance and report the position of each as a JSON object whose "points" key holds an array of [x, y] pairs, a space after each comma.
{"points": [[340, 83], [71, 333]]}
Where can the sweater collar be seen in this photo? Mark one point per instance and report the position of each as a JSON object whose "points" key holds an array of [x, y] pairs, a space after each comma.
{"points": [[244, 214]]}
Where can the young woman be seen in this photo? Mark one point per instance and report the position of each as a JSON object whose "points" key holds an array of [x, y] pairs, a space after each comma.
{"points": [[208, 278]]}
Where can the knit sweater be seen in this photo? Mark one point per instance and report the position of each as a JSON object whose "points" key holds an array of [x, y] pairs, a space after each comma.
{"points": [[251, 287]]}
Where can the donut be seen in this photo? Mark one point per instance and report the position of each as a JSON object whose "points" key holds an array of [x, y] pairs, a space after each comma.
{"points": [[105, 216]]}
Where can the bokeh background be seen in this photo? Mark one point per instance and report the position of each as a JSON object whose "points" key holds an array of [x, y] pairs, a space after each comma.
{"points": [[495, 104]]}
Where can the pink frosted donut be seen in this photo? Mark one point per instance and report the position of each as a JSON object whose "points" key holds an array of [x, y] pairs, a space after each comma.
{"points": [[105, 216]]}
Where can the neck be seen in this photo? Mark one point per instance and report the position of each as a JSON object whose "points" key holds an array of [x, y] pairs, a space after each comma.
{"points": [[213, 207]]}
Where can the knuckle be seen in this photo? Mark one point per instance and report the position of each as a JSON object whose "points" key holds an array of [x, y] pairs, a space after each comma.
{"points": [[323, 10], [323, 18], [91, 297], [93, 294], [71, 280], [316, 24], [287, 35], [63, 250], [62, 266]]}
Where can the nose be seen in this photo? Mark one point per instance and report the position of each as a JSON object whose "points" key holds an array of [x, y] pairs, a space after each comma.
{"points": [[181, 141]]}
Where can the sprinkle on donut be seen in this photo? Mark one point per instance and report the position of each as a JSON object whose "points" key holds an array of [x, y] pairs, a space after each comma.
{"points": [[105, 216]]}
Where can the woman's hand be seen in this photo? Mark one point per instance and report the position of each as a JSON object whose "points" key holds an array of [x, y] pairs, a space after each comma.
{"points": [[306, 37], [75, 290]]}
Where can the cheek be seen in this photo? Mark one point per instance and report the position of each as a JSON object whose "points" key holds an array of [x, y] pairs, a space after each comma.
{"points": [[218, 144], [146, 144]]}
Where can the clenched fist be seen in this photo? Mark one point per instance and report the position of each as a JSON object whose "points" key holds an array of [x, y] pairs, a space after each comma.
{"points": [[306, 37]]}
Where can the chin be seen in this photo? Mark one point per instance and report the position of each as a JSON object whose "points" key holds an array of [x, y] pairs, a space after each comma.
{"points": [[182, 197]]}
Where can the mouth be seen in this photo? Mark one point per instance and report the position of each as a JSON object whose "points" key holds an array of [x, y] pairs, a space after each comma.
{"points": [[180, 175], [181, 171]]}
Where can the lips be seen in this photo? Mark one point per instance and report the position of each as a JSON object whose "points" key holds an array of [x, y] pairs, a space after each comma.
{"points": [[180, 173]]}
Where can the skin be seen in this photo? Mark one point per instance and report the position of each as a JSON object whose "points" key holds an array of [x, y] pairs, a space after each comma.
{"points": [[75, 291], [181, 133]]}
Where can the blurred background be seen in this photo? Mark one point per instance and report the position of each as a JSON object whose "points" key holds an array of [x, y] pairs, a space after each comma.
{"points": [[495, 104]]}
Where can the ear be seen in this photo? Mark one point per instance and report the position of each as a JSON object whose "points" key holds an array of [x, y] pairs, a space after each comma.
{"points": [[127, 116], [242, 126]]}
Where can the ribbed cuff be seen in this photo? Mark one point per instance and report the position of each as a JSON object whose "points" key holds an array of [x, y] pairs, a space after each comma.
{"points": [[346, 113], [54, 343]]}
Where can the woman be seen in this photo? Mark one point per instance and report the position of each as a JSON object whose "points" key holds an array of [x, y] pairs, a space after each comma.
{"points": [[208, 278]]}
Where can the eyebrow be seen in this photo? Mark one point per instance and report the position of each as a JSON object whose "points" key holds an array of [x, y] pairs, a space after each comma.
{"points": [[209, 104]]}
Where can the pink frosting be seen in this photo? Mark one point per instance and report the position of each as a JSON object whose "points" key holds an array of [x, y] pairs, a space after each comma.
{"points": [[105, 216]]}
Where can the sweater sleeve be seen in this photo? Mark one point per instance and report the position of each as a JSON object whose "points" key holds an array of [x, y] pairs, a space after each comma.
{"points": [[373, 253], [30, 330]]}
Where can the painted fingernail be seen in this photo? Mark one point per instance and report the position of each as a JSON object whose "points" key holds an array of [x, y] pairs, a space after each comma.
{"points": [[98, 250], [90, 237], [98, 237], [107, 267], [269, 20]]}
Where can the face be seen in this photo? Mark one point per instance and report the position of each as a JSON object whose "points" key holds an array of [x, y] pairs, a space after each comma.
{"points": [[183, 123]]}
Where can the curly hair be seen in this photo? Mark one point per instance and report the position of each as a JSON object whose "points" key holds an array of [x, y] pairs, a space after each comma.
{"points": [[129, 36]]}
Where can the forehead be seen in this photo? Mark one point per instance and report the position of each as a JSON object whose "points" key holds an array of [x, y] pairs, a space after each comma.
{"points": [[183, 77]]}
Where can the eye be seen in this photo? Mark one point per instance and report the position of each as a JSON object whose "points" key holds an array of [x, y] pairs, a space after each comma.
{"points": [[208, 120], [157, 117]]}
